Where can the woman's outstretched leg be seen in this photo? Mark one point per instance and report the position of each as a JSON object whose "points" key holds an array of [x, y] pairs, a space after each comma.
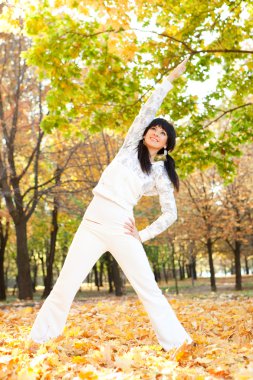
{"points": [[84, 251], [130, 255]]}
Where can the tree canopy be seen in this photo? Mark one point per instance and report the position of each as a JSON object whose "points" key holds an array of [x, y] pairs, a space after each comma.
{"points": [[102, 59]]}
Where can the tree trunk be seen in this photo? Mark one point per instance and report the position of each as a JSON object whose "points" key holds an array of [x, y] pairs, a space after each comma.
{"points": [[35, 276], [238, 275], [3, 242], [211, 265], [232, 267], [181, 270], [50, 257], [34, 270], [95, 270], [156, 272], [6, 276], [53, 237], [246, 264], [42, 267], [109, 271], [174, 268], [2, 281], [117, 280], [165, 274], [101, 273], [194, 271], [188, 270], [25, 288]]}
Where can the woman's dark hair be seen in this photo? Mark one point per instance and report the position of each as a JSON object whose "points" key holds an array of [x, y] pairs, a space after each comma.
{"points": [[169, 163]]}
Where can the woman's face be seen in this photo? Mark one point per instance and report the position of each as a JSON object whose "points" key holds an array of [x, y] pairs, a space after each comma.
{"points": [[155, 138]]}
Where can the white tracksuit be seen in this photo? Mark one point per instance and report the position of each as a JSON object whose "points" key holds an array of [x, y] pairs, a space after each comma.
{"points": [[102, 229]]}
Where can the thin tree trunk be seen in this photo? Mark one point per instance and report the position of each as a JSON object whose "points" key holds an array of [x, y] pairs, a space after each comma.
{"points": [[2, 280], [188, 270], [25, 288], [109, 271], [238, 275], [34, 266], [181, 270], [35, 276], [42, 267], [101, 272], [232, 267], [53, 238], [6, 277], [174, 268], [246, 264], [211, 265], [194, 268], [117, 280], [95, 270], [165, 274], [156, 272], [3, 241]]}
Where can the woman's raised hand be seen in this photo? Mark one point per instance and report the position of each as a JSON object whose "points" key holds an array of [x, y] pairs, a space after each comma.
{"points": [[179, 70]]}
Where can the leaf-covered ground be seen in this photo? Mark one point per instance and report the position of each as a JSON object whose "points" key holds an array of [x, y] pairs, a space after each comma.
{"points": [[111, 338]]}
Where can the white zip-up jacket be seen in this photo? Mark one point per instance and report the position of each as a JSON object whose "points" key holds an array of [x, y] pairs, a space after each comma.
{"points": [[123, 180]]}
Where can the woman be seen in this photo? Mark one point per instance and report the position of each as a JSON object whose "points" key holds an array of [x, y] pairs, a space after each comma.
{"points": [[108, 225]]}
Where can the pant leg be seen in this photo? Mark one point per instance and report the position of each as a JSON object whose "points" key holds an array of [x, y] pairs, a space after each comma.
{"points": [[84, 251], [131, 256]]}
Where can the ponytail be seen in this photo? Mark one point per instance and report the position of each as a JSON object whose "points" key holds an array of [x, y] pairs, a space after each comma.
{"points": [[169, 165]]}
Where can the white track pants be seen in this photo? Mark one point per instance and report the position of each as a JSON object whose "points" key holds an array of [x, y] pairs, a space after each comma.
{"points": [[91, 240]]}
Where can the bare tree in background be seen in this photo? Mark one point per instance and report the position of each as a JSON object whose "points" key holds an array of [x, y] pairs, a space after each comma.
{"points": [[21, 99]]}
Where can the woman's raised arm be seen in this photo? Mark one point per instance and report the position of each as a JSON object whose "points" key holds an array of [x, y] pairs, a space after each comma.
{"points": [[148, 110]]}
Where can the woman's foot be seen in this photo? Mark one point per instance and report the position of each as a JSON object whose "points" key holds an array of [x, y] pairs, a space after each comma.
{"points": [[183, 346]]}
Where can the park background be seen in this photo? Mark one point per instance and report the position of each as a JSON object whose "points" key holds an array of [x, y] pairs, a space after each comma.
{"points": [[73, 77]]}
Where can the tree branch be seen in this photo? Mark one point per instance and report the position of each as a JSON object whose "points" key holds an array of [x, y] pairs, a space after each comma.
{"points": [[41, 134], [172, 38], [226, 112]]}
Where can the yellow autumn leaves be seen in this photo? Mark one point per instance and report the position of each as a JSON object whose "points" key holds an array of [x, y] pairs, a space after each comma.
{"points": [[112, 339]]}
